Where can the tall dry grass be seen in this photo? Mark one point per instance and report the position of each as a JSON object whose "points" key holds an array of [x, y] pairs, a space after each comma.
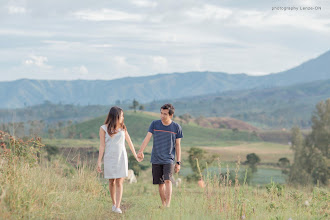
{"points": [[33, 188], [47, 190]]}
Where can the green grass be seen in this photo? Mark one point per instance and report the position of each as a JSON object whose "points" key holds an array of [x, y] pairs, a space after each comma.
{"points": [[48, 191], [191, 202], [268, 152], [74, 143], [58, 190]]}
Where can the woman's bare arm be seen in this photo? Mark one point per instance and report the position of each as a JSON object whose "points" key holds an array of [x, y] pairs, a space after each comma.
{"points": [[130, 144], [101, 149]]}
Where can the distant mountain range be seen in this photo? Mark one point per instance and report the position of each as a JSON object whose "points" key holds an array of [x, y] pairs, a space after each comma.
{"points": [[27, 92], [277, 107]]}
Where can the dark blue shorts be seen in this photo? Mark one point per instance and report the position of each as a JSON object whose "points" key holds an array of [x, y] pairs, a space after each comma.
{"points": [[162, 172]]}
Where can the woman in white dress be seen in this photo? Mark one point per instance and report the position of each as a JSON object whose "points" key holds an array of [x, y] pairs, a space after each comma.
{"points": [[112, 144]]}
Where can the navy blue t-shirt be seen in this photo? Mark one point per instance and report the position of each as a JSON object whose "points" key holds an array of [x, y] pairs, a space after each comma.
{"points": [[163, 150]]}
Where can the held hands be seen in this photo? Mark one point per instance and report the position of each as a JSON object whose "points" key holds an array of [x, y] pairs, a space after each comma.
{"points": [[138, 159], [140, 156]]}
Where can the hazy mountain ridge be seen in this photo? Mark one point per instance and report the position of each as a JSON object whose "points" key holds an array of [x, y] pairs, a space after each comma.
{"points": [[24, 92], [274, 107], [271, 107]]}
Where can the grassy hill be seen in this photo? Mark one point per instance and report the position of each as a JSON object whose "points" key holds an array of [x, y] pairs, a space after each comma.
{"points": [[229, 123], [138, 124]]}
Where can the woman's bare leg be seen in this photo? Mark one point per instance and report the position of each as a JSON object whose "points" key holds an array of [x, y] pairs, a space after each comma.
{"points": [[119, 191], [112, 187]]}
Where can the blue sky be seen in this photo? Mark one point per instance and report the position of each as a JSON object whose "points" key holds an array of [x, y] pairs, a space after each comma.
{"points": [[102, 39]]}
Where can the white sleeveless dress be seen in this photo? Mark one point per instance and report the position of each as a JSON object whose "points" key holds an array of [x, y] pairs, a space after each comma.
{"points": [[115, 155]]}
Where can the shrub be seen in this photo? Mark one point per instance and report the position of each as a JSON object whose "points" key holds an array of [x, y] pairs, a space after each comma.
{"points": [[13, 149]]}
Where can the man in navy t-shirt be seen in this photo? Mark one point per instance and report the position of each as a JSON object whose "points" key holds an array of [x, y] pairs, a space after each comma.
{"points": [[166, 144]]}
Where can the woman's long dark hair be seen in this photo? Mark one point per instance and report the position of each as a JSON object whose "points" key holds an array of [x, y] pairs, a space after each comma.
{"points": [[113, 119]]}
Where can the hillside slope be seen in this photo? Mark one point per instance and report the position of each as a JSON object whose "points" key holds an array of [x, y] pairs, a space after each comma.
{"points": [[138, 124]]}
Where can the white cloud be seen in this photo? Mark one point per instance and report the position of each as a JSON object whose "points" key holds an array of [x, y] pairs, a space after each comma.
{"points": [[107, 15], [102, 45], [56, 45], [39, 61], [307, 2], [120, 66], [120, 60], [28, 62], [55, 42], [160, 64], [144, 3], [148, 37], [266, 20], [76, 72], [159, 60], [209, 12], [26, 32], [81, 70], [16, 10]]}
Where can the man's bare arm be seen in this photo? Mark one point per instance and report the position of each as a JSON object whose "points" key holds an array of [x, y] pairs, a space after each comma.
{"points": [[178, 154], [145, 143]]}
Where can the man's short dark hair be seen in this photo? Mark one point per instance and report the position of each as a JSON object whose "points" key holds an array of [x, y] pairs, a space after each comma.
{"points": [[170, 108]]}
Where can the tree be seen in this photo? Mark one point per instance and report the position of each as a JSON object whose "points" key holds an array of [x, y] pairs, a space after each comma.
{"points": [[311, 154], [141, 108], [320, 135], [51, 133], [298, 172], [134, 105], [199, 119], [51, 151], [185, 117], [252, 160], [284, 163], [197, 153], [71, 129]]}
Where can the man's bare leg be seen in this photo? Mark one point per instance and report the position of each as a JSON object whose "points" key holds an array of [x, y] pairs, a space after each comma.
{"points": [[162, 194], [168, 192]]}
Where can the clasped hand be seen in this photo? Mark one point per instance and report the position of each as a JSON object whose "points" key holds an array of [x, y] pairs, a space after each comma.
{"points": [[140, 156]]}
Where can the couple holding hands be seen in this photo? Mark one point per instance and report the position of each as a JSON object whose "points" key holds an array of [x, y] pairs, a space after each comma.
{"points": [[166, 144]]}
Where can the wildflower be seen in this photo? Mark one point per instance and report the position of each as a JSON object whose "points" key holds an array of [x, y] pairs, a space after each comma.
{"points": [[243, 216]]}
